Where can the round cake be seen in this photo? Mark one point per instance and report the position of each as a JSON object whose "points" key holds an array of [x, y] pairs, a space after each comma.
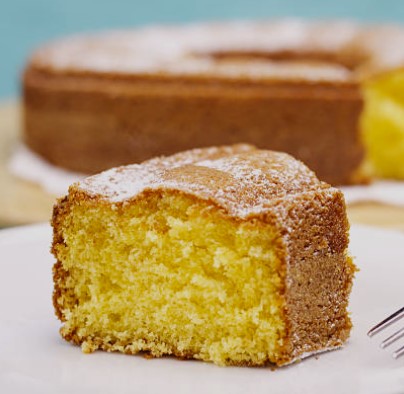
{"points": [[329, 93]]}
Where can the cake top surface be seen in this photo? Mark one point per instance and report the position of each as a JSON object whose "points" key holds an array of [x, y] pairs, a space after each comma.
{"points": [[332, 51], [243, 180]]}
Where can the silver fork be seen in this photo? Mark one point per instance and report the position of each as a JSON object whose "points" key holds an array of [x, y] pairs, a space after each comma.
{"points": [[394, 337]]}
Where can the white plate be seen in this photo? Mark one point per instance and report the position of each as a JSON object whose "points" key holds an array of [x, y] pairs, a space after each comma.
{"points": [[33, 358]]}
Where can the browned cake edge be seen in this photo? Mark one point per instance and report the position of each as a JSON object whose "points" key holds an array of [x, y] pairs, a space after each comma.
{"points": [[147, 117], [320, 274]]}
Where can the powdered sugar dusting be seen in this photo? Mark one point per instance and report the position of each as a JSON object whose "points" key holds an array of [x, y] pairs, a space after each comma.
{"points": [[307, 354], [243, 180], [187, 50]]}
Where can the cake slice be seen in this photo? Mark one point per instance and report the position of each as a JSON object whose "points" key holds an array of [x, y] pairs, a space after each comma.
{"points": [[231, 255]]}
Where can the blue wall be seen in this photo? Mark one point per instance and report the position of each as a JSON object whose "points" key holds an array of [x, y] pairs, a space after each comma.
{"points": [[24, 24]]}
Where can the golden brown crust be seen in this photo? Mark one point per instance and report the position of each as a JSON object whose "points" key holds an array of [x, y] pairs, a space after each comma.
{"points": [[241, 179], [320, 273], [102, 124], [60, 211]]}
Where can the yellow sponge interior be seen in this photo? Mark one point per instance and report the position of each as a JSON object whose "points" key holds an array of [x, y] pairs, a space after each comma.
{"points": [[172, 275], [382, 124]]}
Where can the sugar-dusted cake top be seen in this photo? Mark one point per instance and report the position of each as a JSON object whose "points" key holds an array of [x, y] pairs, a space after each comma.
{"points": [[333, 51], [243, 180]]}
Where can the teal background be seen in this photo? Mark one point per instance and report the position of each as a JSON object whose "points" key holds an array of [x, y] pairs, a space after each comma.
{"points": [[24, 24]]}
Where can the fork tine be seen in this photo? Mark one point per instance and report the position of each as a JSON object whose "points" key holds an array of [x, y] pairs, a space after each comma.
{"points": [[387, 322], [392, 338], [399, 352]]}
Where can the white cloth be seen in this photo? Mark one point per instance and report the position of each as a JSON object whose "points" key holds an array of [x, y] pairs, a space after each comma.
{"points": [[27, 165]]}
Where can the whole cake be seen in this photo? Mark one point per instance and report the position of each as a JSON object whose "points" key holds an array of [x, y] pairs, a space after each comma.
{"points": [[232, 255], [329, 93]]}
